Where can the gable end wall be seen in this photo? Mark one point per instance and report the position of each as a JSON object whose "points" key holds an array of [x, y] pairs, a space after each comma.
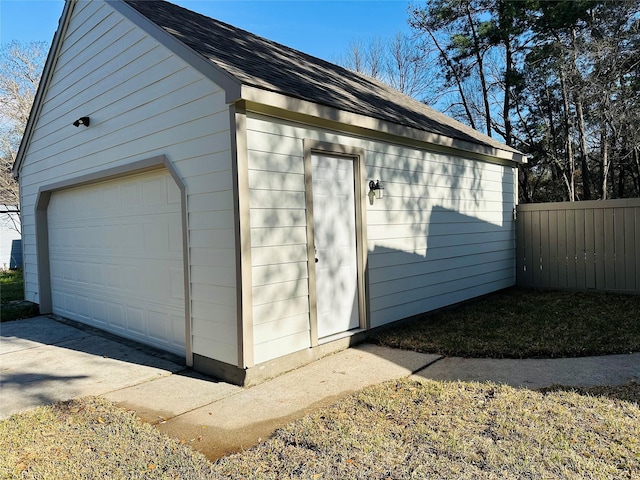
{"points": [[143, 102]]}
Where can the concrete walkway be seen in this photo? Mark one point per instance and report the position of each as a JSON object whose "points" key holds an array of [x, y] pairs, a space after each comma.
{"points": [[537, 373], [43, 361]]}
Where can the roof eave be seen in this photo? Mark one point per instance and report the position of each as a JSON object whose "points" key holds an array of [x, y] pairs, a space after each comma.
{"points": [[49, 66], [283, 103]]}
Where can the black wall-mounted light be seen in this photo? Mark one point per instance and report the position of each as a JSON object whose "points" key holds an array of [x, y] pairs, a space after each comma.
{"points": [[375, 190], [81, 121]]}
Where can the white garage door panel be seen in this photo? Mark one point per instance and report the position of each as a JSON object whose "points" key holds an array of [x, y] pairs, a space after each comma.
{"points": [[115, 251]]}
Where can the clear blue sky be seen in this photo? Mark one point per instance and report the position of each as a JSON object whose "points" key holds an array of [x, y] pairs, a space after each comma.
{"points": [[321, 28]]}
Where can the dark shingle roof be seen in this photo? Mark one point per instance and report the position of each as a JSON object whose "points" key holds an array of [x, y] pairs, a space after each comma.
{"points": [[261, 63]]}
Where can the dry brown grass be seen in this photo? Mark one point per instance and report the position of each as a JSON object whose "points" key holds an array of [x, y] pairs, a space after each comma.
{"points": [[91, 438], [402, 429], [429, 429]]}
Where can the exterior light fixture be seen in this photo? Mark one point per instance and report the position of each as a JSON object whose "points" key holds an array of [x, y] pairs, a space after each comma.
{"points": [[81, 121], [375, 190]]}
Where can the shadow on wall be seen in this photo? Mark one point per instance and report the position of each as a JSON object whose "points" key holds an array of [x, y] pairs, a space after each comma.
{"points": [[458, 257], [444, 233]]}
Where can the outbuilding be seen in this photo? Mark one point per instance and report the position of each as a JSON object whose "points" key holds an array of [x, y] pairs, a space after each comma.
{"points": [[211, 193], [10, 238]]}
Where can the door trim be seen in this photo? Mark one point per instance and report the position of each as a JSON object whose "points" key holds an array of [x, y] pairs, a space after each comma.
{"points": [[312, 147], [42, 230]]}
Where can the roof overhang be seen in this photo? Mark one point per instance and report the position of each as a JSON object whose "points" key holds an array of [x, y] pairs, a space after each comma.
{"points": [[285, 107]]}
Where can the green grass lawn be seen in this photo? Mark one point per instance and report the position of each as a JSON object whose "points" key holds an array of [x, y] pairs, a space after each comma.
{"points": [[516, 323], [11, 286], [12, 295]]}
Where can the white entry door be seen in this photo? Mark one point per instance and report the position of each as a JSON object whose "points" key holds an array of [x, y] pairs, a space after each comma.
{"points": [[335, 244]]}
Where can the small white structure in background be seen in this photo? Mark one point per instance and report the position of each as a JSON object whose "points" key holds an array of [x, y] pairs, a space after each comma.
{"points": [[10, 238]]}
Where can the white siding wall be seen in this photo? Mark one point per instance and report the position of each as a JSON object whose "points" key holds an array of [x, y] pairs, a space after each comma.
{"points": [[142, 102], [279, 243], [443, 233]]}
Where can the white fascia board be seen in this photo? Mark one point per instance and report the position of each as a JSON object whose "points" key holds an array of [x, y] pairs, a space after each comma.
{"points": [[282, 102]]}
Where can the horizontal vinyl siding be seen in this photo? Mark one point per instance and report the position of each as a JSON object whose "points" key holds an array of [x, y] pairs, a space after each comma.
{"points": [[278, 244], [143, 102], [443, 233]]}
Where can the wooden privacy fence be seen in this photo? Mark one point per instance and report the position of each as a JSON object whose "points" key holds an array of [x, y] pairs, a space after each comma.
{"points": [[579, 245]]}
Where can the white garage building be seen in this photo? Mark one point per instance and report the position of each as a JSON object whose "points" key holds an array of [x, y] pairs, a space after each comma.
{"points": [[192, 186]]}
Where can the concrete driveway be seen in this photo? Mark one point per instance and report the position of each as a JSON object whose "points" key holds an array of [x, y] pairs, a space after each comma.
{"points": [[43, 361]]}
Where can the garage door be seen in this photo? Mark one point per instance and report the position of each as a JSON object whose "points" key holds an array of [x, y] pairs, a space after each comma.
{"points": [[115, 252]]}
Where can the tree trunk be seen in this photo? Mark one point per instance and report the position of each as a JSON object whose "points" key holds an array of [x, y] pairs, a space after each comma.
{"points": [[483, 80], [567, 125], [582, 131], [636, 157], [604, 153], [557, 170], [506, 108], [525, 194], [456, 76], [584, 163], [621, 176]]}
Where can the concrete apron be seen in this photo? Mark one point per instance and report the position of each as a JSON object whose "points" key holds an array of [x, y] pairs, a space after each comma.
{"points": [[246, 416], [43, 361]]}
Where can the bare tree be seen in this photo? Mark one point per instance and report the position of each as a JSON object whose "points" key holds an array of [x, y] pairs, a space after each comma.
{"points": [[21, 66], [400, 63], [408, 69]]}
